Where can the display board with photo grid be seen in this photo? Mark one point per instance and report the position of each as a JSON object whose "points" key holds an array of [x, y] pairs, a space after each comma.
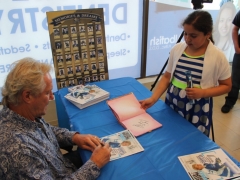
{"points": [[78, 46]]}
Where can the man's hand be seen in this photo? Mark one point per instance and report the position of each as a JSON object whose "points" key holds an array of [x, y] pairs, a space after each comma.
{"points": [[86, 141], [101, 155]]}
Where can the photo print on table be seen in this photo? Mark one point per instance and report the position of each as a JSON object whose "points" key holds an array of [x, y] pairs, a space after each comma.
{"points": [[56, 33], [68, 58]]}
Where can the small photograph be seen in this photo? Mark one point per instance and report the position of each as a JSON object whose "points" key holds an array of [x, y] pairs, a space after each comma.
{"points": [[94, 67], [86, 68], [56, 32], [83, 43], [87, 79], [90, 28], [75, 43], [101, 65], [71, 82], [92, 54], [68, 58], [73, 30], [69, 70], [65, 30], [59, 59], [66, 45], [84, 55], [78, 69], [58, 45], [100, 53], [102, 77], [91, 41], [61, 72], [99, 40], [76, 56], [79, 80], [62, 84], [95, 77], [98, 28], [81, 28]]}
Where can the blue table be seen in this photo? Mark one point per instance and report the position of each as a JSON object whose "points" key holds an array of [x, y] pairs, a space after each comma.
{"points": [[161, 147]]}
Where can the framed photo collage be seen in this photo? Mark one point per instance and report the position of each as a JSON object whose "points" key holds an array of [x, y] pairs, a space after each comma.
{"points": [[78, 46]]}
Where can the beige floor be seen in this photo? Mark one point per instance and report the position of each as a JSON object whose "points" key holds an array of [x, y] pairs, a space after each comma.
{"points": [[226, 126]]}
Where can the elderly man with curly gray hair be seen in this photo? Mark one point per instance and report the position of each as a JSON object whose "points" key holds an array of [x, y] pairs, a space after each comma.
{"points": [[30, 147]]}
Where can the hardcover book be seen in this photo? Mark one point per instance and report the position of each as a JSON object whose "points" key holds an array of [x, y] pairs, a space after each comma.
{"points": [[84, 96], [123, 144], [211, 165], [130, 115]]}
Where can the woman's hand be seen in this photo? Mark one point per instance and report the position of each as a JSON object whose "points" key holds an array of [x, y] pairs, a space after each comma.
{"points": [[147, 103]]}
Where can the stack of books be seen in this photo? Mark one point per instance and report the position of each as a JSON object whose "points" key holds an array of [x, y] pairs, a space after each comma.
{"points": [[84, 96]]}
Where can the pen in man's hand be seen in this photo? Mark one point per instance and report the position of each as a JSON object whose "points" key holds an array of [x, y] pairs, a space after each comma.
{"points": [[102, 144]]}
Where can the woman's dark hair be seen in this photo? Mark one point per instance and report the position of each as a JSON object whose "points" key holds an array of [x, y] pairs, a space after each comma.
{"points": [[201, 20]]}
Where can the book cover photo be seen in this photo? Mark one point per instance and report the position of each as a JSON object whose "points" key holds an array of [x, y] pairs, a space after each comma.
{"points": [[211, 165], [84, 96], [123, 144], [130, 115]]}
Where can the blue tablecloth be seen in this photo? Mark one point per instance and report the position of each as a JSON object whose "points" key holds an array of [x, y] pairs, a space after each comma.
{"points": [[161, 147]]}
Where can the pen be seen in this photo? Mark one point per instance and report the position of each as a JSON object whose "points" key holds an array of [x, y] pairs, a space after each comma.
{"points": [[102, 144]]}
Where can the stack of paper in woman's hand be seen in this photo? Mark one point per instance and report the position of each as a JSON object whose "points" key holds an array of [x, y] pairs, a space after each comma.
{"points": [[84, 96]]}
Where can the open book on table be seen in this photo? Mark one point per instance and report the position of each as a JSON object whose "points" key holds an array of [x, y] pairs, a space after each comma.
{"points": [[130, 115], [123, 144], [211, 165]]}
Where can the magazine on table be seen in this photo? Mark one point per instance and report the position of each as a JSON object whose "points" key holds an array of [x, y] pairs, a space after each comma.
{"points": [[210, 165], [84, 96], [123, 144], [131, 115]]}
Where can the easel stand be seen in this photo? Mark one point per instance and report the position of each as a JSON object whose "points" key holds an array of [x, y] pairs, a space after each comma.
{"points": [[154, 84]]}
